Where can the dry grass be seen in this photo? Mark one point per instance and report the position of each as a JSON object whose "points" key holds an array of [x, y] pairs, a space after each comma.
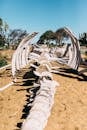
{"points": [[7, 54]]}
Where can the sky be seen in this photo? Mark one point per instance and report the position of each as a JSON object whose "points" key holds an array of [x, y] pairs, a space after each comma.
{"points": [[43, 15]]}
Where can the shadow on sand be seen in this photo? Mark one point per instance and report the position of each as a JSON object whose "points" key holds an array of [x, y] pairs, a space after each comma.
{"points": [[71, 73], [30, 95], [32, 91]]}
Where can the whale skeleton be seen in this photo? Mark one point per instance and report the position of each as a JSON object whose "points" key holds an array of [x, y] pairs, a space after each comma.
{"points": [[27, 54], [40, 57]]}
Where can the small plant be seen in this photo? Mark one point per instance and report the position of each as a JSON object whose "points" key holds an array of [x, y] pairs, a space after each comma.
{"points": [[2, 61]]}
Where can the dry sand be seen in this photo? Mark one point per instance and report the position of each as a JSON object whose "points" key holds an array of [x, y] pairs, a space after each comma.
{"points": [[69, 111]]}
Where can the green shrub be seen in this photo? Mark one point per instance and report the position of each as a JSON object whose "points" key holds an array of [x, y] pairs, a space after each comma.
{"points": [[2, 61]]}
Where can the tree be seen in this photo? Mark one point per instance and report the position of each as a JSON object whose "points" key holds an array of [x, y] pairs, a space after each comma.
{"points": [[61, 36], [3, 32], [83, 39], [2, 38], [15, 36], [6, 26], [47, 37], [1, 24]]}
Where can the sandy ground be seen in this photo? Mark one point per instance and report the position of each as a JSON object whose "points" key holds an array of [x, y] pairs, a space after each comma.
{"points": [[69, 111]]}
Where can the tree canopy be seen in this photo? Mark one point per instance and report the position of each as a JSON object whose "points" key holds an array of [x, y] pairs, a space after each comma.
{"points": [[3, 32], [8, 36], [13, 37], [47, 37], [16, 35], [83, 39]]}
